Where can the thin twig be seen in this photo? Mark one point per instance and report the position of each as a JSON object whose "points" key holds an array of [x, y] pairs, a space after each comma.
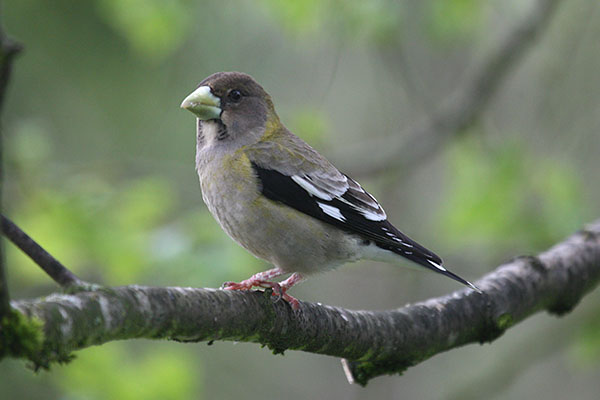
{"points": [[8, 50], [58, 272]]}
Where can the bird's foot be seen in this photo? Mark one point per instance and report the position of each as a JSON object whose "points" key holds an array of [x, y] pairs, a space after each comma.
{"points": [[248, 284], [279, 289], [280, 292], [260, 280]]}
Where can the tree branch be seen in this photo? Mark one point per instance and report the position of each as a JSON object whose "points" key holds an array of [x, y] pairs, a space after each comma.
{"points": [[377, 343], [55, 270], [8, 50], [463, 108]]}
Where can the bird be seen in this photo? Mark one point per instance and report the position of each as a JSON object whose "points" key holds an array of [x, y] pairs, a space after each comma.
{"points": [[279, 198]]}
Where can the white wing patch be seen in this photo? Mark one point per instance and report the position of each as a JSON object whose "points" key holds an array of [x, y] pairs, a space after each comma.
{"points": [[379, 216], [363, 202], [436, 265], [332, 211], [346, 190], [305, 184]]}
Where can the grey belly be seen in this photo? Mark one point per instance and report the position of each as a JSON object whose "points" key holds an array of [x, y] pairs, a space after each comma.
{"points": [[281, 235]]}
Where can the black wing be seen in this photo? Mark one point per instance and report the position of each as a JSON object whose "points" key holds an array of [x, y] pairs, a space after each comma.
{"points": [[354, 211]]}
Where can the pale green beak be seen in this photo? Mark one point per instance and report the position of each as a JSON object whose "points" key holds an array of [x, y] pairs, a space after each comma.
{"points": [[203, 104]]}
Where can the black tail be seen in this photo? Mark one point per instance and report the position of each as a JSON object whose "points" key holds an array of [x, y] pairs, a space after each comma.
{"points": [[418, 254]]}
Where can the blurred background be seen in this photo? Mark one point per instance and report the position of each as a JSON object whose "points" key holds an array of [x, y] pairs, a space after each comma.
{"points": [[99, 168]]}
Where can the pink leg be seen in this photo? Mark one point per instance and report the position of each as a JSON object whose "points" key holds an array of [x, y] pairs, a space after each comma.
{"points": [[285, 285], [261, 280], [291, 281]]}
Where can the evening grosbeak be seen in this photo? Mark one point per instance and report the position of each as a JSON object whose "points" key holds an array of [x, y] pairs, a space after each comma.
{"points": [[280, 199]]}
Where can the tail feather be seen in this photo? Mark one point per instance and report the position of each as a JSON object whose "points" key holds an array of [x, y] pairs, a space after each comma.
{"points": [[442, 270], [418, 254]]}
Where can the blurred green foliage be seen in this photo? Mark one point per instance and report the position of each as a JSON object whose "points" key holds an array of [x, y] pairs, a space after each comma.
{"points": [[100, 162], [585, 349], [504, 198], [311, 125], [153, 28], [376, 21], [153, 374], [453, 21], [115, 232]]}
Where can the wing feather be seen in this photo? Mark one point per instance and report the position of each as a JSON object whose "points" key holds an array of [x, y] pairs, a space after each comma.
{"points": [[293, 173], [355, 211]]}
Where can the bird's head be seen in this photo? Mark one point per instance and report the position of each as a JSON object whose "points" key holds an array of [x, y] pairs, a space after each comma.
{"points": [[235, 103]]}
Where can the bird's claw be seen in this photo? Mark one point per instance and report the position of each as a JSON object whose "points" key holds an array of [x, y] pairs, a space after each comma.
{"points": [[235, 286], [250, 283], [226, 285], [294, 303], [279, 292]]}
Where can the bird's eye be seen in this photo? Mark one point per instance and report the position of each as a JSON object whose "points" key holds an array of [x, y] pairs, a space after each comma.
{"points": [[234, 96]]}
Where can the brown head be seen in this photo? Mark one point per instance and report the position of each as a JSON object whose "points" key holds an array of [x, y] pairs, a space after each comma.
{"points": [[234, 101]]}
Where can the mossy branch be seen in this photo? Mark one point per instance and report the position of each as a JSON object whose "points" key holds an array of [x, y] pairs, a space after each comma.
{"points": [[372, 343]]}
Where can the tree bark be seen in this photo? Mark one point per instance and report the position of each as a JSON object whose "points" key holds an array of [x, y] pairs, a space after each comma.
{"points": [[373, 342]]}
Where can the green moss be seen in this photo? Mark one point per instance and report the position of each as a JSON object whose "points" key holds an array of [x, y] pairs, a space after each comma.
{"points": [[505, 321], [363, 371], [23, 337], [20, 336]]}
